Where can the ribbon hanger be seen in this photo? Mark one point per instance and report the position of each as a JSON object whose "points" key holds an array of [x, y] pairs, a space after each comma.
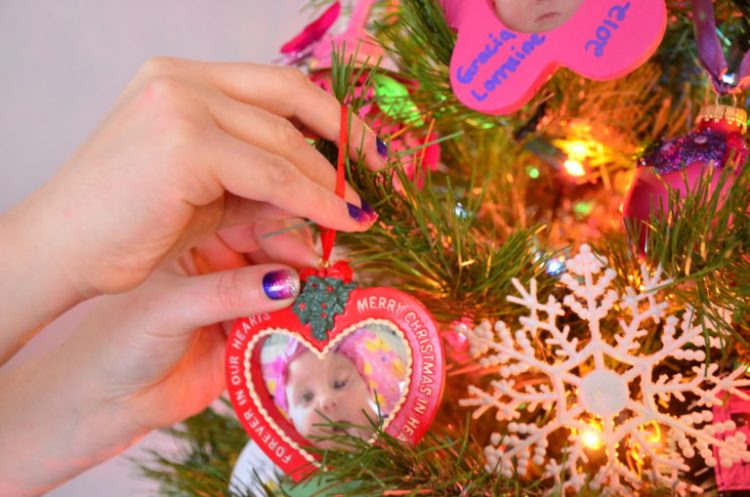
{"points": [[328, 237], [712, 54]]}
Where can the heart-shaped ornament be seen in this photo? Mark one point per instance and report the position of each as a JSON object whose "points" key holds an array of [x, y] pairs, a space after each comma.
{"points": [[339, 355]]}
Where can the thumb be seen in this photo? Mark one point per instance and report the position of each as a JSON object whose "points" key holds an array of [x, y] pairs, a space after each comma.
{"points": [[215, 297]]}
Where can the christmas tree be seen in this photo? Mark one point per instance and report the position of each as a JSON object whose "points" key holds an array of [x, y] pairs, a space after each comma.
{"points": [[591, 351]]}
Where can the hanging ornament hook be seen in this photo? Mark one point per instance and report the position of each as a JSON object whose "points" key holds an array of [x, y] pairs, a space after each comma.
{"points": [[712, 54], [329, 235]]}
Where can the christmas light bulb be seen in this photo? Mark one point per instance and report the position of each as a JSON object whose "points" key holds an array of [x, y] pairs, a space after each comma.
{"points": [[578, 150], [654, 436], [555, 266], [592, 438], [574, 167]]}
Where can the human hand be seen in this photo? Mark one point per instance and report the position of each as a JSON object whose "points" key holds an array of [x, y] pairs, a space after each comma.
{"points": [[189, 148], [141, 360]]}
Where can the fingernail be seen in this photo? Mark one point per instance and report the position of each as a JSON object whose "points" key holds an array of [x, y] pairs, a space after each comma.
{"points": [[363, 215], [281, 284], [382, 147], [368, 210]]}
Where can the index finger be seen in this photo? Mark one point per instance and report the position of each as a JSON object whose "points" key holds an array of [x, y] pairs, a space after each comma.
{"points": [[289, 93]]}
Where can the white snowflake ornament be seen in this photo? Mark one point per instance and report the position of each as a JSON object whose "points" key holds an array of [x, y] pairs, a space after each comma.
{"points": [[609, 410]]}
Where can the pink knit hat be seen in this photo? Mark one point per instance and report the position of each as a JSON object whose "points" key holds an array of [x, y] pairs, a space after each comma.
{"points": [[382, 368]]}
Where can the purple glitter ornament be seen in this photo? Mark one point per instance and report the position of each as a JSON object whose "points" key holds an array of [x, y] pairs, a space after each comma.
{"points": [[716, 142], [704, 145]]}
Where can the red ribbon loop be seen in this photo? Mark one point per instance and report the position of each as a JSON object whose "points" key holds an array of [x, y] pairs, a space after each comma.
{"points": [[341, 270], [712, 54], [329, 235]]}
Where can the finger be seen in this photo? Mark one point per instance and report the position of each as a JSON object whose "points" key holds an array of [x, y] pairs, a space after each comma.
{"points": [[241, 211], [198, 301], [288, 246], [259, 257], [240, 238], [253, 173], [226, 328], [227, 210], [287, 241], [212, 255], [287, 92], [276, 135]]}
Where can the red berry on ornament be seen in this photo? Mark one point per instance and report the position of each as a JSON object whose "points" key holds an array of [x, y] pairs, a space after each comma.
{"points": [[717, 142]]}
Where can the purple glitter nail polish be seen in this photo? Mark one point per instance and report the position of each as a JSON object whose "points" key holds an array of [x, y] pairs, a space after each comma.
{"points": [[361, 215], [281, 284], [369, 211], [382, 147], [366, 208]]}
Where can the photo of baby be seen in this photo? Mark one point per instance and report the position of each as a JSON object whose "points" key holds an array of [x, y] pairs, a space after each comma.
{"points": [[358, 383], [535, 16]]}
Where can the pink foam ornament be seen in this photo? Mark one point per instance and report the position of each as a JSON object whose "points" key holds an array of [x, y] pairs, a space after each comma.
{"points": [[354, 40], [316, 44], [496, 70], [734, 477], [313, 32]]}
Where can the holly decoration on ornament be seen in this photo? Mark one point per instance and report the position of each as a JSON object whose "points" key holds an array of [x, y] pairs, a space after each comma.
{"points": [[321, 300]]}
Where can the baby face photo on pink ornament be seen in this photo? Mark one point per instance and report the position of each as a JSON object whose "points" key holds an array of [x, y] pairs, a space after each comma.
{"points": [[328, 390], [535, 16], [343, 392]]}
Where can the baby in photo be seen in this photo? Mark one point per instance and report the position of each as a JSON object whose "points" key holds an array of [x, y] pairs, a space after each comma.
{"points": [[535, 16], [357, 384]]}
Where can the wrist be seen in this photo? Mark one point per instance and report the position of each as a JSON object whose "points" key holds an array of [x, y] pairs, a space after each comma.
{"points": [[37, 285], [55, 425]]}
